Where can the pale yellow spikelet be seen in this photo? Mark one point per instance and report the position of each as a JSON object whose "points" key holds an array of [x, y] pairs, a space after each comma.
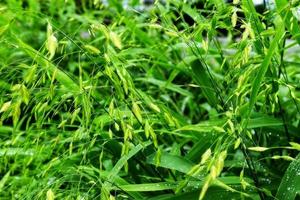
{"points": [[137, 111], [237, 143], [50, 195], [258, 149], [5, 106], [116, 40], [205, 156], [234, 18]]}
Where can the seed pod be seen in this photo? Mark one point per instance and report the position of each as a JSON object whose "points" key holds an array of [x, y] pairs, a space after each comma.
{"points": [[249, 134], [237, 143], [62, 123], [111, 197], [295, 145], [117, 127], [219, 166], [30, 74], [125, 148], [137, 112], [49, 30], [288, 158], [150, 132], [153, 136], [259, 149], [16, 112], [50, 195], [108, 71], [5, 106], [172, 33], [25, 94], [213, 172], [71, 148], [130, 131], [154, 107], [147, 129], [116, 40], [75, 114], [126, 134], [157, 157], [52, 43], [125, 86], [246, 31], [169, 119], [205, 44], [205, 156], [223, 155], [92, 49], [218, 129], [234, 18], [107, 58], [231, 125], [110, 134], [242, 180], [111, 108]]}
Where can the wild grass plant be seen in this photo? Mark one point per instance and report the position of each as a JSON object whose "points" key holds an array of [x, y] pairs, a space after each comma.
{"points": [[170, 100]]}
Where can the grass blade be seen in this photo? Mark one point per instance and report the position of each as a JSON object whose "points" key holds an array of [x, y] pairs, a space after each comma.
{"points": [[114, 172], [290, 183], [4, 180], [172, 162], [264, 67], [202, 79]]}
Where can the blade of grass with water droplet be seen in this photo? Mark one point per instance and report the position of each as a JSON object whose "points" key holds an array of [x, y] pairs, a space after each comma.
{"points": [[172, 162], [290, 183], [204, 126], [147, 187]]}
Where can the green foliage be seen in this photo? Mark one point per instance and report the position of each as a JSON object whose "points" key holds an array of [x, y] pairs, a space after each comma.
{"points": [[175, 100], [290, 183]]}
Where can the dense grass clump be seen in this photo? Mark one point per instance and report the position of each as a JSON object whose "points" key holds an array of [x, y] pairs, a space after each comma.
{"points": [[156, 100]]}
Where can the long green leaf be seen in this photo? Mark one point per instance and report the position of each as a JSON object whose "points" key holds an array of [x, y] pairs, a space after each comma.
{"points": [[147, 187], [202, 79], [4, 180], [172, 162], [264, 121], [264, 67], [205, 126], [114, 172], [290, 183]]}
